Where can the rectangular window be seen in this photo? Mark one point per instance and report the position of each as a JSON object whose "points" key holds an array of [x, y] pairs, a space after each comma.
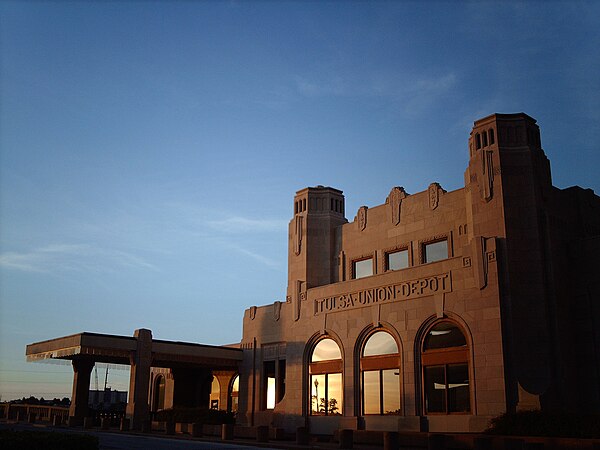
{"points": [[458, 388], [435, 251], [396, 260], [362, 268], [447, 389], [435, 389], [281, 380], [371, 392], [381, 391], [269, 385], [326, 394], [391, 391]]}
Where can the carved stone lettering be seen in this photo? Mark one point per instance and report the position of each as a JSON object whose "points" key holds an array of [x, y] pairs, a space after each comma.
{"points": [[407, 290]]}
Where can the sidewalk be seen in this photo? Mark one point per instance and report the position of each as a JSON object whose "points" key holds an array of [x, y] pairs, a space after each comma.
{"points": [[315, 443]]}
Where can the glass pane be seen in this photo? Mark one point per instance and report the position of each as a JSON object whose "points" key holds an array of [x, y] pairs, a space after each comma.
{"points": [[458, 388], [363, 268], [380, 343], [444, 335], [160, 393], [325, 350], [397, 260], [371, 390], [235, 390], [435, 251], [215, 387], [270, 392], [435, 389], [317, 397], [391, 391], [334, 393]]}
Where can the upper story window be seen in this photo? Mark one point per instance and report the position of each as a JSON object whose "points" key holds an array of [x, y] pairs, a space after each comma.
{"points": [[396, 260], [380, 370], [435, 251], [362, 268], [326, 379]]}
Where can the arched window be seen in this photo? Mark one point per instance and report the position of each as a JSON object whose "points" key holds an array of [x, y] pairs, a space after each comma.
{"points": [[326, 379], [158, 402], [380, 375], [234, 392], [445, 361], [215, 393]]}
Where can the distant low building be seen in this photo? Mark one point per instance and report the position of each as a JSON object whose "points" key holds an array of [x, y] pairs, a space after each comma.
{"points": [[107, 399]]}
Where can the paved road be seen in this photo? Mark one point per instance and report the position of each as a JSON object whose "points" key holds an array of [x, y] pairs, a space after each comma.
{"points": [[117, 441], [122, 441]]}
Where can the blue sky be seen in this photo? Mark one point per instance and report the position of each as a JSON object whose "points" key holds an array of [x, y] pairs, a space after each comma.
{"points": [[150, 151]]}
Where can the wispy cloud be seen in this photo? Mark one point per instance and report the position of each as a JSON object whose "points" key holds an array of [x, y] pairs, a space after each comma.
{"points": [[237, 224], [333, 86], [256, 256], [415, 93], [72, 257]]}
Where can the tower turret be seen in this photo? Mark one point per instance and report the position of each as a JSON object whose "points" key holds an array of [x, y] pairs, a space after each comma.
{"points": [[313, 248]]}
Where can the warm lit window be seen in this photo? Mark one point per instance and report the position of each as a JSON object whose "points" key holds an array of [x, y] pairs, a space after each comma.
{"points": [[234, 394], [159, 393], [215, 392], [380, 370], [445, 360], [396, 260], [326, 379], [435, 251], [362, 268], [273, 383]]}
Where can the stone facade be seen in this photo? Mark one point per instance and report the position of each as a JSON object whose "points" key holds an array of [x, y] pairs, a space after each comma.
{"points": [[518, 280]]}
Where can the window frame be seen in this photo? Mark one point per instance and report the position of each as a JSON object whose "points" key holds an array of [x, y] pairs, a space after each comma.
{"points": [[392, 250], [445, 357], [231, 396], [433, 240], [326, 368], [353, 262], [379, 363]]}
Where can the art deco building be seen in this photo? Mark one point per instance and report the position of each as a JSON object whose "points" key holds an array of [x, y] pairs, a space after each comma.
{"points": [[436, 310]]}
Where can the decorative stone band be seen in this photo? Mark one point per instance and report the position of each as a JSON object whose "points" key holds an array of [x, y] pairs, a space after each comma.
{"points": [[406, 290]]}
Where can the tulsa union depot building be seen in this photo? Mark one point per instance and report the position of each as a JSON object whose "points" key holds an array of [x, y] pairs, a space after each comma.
{"points": [[436, 310]]}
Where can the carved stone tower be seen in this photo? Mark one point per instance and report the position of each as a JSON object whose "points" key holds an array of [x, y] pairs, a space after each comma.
{"points": [[508, 181], [313, 249]]}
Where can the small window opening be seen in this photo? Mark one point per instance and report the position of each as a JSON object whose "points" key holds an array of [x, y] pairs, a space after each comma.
{"points": [[362, 268], [435, 251]]}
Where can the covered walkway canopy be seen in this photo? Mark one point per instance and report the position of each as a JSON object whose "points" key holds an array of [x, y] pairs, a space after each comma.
{"points": [[141, 352]]}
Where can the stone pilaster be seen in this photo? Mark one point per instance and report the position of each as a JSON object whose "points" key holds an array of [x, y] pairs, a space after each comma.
{"points": [[138, 409], [82, 369]]}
